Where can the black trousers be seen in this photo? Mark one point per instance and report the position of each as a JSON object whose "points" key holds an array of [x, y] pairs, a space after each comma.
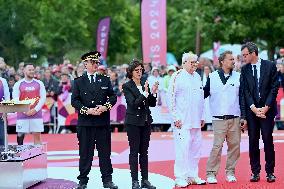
{"points": [[138, 138], [89, 138], [265, 126]]}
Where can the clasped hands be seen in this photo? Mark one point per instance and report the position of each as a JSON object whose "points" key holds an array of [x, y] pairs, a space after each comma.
{"points": [[97, 110], [260, 112], [178, 124]]}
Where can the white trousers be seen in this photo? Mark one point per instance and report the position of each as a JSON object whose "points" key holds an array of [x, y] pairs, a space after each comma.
{"points": [[188, 151]]}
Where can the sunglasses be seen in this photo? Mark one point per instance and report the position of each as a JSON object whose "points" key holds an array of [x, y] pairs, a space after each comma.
{"points": [[138, 70]]}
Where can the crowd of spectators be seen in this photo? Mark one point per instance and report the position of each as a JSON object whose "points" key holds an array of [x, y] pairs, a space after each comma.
{"points": [[58, 78]]}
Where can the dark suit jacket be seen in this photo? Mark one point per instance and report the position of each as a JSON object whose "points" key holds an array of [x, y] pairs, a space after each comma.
{"points": [[52, 85], [268, 88], [137, 105], [89, 95]]}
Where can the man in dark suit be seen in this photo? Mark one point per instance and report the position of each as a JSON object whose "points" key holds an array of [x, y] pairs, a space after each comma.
{"points": [[93, 97], [258, 91]]}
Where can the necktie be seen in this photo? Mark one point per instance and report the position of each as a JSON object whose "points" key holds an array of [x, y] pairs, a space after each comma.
{"points": [[256, 81], [92, 79]]}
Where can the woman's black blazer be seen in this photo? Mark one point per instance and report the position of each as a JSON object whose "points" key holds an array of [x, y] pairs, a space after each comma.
{"points": [[137, 104]]}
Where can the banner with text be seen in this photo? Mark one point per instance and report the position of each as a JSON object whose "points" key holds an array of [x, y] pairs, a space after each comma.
{"points": [[102, 36], [216, 48], [154, 31]]}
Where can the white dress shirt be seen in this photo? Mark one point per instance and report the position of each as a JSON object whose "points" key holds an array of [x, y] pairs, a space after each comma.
{"points": [[258, 64], [141, 90], [89, 76]]}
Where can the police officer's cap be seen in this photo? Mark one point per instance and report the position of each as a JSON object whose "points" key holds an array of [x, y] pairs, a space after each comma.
{"points": [[93, 55]]}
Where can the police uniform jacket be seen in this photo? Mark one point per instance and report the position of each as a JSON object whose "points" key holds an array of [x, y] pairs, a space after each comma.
{"points": [[88, 95]]}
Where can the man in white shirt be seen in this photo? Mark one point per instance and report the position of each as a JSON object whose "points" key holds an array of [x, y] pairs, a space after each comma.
{"points": [[222, 87], [186, 105]]}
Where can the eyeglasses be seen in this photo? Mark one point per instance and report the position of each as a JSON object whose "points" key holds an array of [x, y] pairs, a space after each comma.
{"points": [[191, 62], [138, 70], [244, 55], [232, 59]]}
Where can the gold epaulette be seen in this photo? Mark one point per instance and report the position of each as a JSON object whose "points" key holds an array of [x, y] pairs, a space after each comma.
{"points": [[84, 110], [108, 105]]}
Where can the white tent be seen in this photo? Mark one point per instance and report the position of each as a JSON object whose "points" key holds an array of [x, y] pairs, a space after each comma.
{"points": [[235, 48]]}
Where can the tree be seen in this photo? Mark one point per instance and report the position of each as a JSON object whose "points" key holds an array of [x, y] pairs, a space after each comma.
{"points": [[124, 37], [15, 21], [239, 20], [54, 29]]}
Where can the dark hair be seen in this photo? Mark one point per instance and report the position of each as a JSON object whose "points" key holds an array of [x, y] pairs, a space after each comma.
{"points": [[251, 47], [223, 56], [134, 64], [29, 64], [12, 78]]}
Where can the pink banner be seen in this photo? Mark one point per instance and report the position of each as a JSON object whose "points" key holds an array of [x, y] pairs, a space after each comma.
{"points": [[154, 31], [102, 36], [216, 47]]}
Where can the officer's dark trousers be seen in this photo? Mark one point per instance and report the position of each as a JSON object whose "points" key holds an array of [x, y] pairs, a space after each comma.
{"points": [[138, 137], [90, 137]]}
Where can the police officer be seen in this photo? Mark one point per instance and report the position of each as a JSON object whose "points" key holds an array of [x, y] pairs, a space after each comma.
{"points": [[93, 97]]}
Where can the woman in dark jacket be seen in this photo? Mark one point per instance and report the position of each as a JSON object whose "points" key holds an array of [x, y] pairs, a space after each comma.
{"points": [[138, 121]]}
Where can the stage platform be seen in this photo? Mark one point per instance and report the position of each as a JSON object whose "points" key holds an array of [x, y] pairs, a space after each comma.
{"points": [[62, 151]]}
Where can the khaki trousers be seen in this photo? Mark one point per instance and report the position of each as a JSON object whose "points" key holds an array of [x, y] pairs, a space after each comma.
{"points": [[230, 131]]}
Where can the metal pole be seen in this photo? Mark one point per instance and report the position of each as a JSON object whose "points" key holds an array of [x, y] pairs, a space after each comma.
{"points": [[5, 132], [55, 118]]}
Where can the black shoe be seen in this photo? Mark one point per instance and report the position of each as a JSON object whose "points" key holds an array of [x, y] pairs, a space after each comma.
{"points": [[135, 185], [255, 178], [110, 185], [81, 186], [147, 184], [270, 178]]}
